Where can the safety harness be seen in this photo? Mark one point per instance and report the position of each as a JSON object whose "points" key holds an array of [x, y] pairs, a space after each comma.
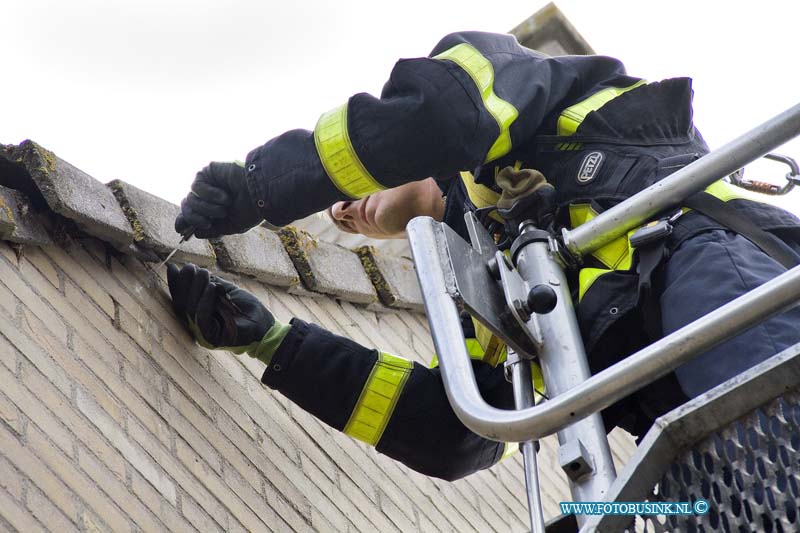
{"points": [[645, 247]]}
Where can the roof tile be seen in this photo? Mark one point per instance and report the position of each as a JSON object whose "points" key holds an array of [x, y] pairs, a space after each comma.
{"points": [[258, 253], [394, 278], [152, 219], [67, 190], [19, 222], [328, 268]]}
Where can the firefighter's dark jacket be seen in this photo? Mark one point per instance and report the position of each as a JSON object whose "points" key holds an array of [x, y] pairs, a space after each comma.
{"points": [[479, 103]]}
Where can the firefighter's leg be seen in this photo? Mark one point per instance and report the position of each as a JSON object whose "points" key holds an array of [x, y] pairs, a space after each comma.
{"points": [[702, 274]]}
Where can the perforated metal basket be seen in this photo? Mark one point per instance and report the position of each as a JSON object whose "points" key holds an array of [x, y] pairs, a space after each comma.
{"points": [[737, 447]]}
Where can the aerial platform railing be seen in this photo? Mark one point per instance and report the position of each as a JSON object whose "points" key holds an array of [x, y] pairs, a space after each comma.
{"points": [[525, 300]]}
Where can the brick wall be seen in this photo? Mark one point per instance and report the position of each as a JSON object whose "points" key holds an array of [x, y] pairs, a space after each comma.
{"points": [[112, 419]]}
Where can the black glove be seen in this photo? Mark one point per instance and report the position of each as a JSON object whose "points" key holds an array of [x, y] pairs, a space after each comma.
{"points": [[219, 204], [220, 315]]}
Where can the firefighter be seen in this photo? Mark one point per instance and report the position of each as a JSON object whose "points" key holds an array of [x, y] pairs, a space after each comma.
{"points": [[492, 122]]}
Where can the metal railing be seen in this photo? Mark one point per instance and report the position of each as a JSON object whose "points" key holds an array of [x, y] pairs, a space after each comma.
{"points": [[575, 396], [639, 369]]}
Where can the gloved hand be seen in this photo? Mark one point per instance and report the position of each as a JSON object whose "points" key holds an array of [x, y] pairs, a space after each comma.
{"points": [[219, 203], [526, 195], [221, 315]]}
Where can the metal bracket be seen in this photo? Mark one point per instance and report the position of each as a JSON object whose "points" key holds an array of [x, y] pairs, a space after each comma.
{"points": [[574, 459], [476, 291], [516, 292]]}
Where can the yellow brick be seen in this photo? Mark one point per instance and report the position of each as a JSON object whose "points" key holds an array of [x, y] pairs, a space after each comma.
{"points": [[91, 523], [270, 463], [50, 336], [119, 493], [132, 452], [33, 303], [32, 404], [10, 479], [32, 467], [282, 518], [82, 280], [13, 512], [43, 509], [77, 481], [166, 513], [8, 252], [198, 517], [34, 352], [8, 301], [8, 411], [335, 499], [133, 292], [214, 484], [190, 363], [141, 330], [35, 258]]}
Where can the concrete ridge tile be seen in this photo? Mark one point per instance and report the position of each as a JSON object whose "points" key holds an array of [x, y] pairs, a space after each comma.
{"points": [[19, 221], [258, 253], [49, 180], [394, 278], [7, 220], [152, 220], [327, 268]]}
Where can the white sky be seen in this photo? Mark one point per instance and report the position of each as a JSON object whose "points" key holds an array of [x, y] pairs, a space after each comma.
{"points": [[149, 91]]}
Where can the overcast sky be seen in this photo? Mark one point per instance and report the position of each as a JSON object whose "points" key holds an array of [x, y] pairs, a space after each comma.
{"points": [[149, 91]]}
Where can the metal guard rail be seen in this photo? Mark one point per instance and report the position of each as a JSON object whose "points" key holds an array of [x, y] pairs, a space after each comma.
{"points": [[645, 366]]}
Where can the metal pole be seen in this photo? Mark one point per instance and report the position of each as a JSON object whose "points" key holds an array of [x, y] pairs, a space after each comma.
{"points": [[565, 366], [523, 397], [670, 191], [599, 391]]}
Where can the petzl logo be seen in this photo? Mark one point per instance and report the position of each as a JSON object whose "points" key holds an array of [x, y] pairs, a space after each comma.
{"points": [[590, 166]]}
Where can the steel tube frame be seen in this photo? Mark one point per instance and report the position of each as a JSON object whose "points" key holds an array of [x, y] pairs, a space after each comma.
{"points": [[523, 398], [695, 177], [600, 390], [565, 366]]}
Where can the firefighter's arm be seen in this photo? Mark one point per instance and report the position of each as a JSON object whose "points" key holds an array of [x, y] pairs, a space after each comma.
{"points": [[473, 101], [389, 402], [222, 316]]}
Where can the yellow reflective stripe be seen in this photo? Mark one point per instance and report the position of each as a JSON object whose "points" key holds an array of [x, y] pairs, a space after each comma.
{"points": [[494, 350], [617, 254], [509, 449], [482, 73], [580, 214], [474, 349], [573, 116], [725, 191], [339, 158], [480, 195], [586, 277], [539, 388], [378, 398]]}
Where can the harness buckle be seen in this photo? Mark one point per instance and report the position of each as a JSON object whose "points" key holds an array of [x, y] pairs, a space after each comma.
{"points": [[654, 231]]}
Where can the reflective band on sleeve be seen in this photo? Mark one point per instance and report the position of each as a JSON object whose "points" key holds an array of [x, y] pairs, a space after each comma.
{"points": [[509, 449], [482, 73], [378, 398], [339, 158], [573, 116], [480, 195]]}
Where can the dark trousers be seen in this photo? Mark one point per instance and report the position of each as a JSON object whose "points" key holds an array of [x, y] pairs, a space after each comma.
{"points": [[705, 272]]}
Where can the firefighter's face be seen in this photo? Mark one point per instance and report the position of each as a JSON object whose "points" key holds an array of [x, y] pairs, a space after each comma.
{"points": [[384, 215]]}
